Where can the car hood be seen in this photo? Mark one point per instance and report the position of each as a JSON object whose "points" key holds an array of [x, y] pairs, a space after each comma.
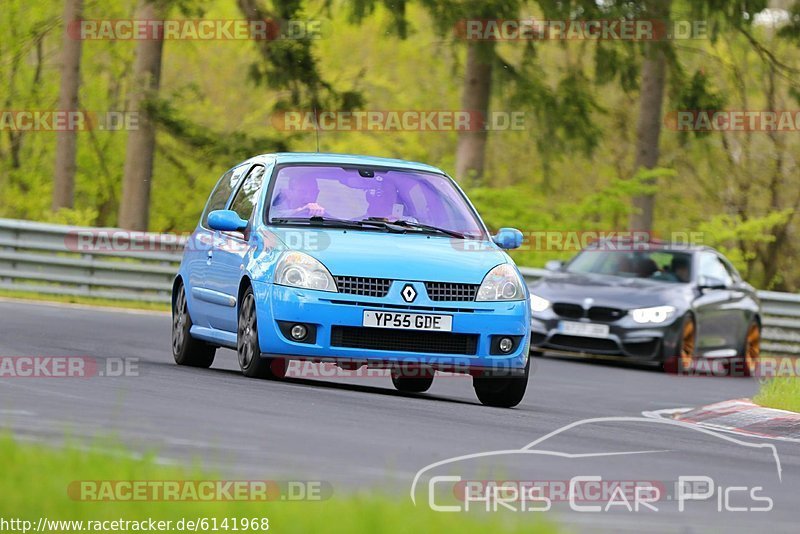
{"points": [[398, 256], [611, 291]]}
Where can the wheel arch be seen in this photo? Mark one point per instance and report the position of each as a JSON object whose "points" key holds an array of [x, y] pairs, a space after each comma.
{"points": [[757, 318], [244, 283], [176, 283]]}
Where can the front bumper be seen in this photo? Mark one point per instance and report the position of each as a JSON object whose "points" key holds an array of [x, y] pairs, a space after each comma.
{"points": [[626, 339], [340, 336]]}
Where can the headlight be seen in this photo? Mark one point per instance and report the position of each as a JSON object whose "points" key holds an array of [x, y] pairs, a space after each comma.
{"points": [[297, 269], [501, 283], [657, 314], [538, 304]]}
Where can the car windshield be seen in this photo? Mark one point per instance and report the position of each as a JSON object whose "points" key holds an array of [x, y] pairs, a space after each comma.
{"points": [[661, 265], [401, 200]]}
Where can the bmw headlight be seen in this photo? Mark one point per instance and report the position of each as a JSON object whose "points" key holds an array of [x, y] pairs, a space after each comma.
{"points": [[501, 283], [297, 269], [656, 314], [538, 304]]}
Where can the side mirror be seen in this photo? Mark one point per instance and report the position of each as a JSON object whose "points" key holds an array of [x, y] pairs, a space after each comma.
{"points": [[709, 282], [508, 238], [226, 221], [554, 265]]}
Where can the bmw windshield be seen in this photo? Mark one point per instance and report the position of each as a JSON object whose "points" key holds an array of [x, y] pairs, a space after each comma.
{"points": [[661, 265], [395, 200]]}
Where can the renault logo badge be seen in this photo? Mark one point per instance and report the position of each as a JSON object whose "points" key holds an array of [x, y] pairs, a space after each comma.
{"points": [[409, 293]]}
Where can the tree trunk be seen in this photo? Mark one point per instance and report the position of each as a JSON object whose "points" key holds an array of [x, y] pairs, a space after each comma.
{"points": [[476, 92], [66, 141], [134, 211], [648, 128]]}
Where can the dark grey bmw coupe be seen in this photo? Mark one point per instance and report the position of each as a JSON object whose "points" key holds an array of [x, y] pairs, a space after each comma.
{"points": [[681, 307]]}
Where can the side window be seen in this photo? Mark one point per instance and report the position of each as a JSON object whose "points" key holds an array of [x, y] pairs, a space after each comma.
{"points": [[712, 267], [245, 200], [222, 192]]}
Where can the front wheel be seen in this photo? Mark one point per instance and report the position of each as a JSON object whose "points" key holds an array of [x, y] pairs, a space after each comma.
{"points": [[501, 391], [185, 349], [682, 360], [248, 350], [418, 382]]}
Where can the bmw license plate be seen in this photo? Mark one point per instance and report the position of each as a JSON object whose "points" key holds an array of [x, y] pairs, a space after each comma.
{"points": [[572, 328], [408, 321]]}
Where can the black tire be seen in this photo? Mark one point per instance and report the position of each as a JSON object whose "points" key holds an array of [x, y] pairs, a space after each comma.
{"points": [[185, 349], [681, 360], [501, 391], [418, 382], [248, 350]]}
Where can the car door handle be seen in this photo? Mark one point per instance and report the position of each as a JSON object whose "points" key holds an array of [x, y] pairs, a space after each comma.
{"points": [[209, 256]]}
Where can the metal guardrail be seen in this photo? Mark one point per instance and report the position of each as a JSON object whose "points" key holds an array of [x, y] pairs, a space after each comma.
{"points": [[781, 321], [78, 261], [114, 264]]}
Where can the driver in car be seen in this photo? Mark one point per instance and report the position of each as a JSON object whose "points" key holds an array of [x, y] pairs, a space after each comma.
{"points": [[297, 197], [680, 268]]}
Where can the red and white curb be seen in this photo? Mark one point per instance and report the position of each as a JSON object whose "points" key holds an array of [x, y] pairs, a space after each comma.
{"points": [[739, 416]]}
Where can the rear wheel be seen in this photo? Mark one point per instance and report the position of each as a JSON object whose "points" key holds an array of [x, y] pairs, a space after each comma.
{"points": [[501, 391], [412, 382], [682, 360], [248, 350], [752, 349], [185, 349]]}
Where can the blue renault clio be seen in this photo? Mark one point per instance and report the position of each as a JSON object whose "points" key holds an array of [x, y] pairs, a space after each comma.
{"points": [[356, 260]]}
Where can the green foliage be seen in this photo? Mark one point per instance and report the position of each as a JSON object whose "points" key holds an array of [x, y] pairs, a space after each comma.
{"points": [[523, 208], [695, 94], [737, 237], [612, 204]]}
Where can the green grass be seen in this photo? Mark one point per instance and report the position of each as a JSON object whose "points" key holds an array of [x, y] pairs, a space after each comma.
{"points": [[781, 392], [35, 479], [88, 301]]}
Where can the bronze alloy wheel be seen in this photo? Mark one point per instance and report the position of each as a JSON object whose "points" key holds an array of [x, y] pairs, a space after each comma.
{"points": [[752, 348], [687, 345]]}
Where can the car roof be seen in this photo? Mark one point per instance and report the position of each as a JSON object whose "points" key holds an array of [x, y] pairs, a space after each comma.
{"points": [[347, 159], [666, 246]]}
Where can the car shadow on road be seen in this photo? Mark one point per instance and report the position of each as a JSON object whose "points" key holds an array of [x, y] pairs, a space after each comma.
{"points": [[318, 384]]}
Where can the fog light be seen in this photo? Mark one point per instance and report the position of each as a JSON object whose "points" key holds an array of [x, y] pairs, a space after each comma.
{"points": [[298, 332], [506, 344]]}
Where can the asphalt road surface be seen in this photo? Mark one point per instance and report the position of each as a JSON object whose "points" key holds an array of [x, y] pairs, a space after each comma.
{"points": [[360, 434]]}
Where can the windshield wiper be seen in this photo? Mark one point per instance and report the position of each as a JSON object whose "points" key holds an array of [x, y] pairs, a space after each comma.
{"points": [[318, 221], [418, 226], [333, 222]]}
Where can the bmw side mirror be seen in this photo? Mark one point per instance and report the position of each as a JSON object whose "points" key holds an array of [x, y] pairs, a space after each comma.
{"points": [[711, 283], [508, 238], [226, 221], [554, 265]]}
